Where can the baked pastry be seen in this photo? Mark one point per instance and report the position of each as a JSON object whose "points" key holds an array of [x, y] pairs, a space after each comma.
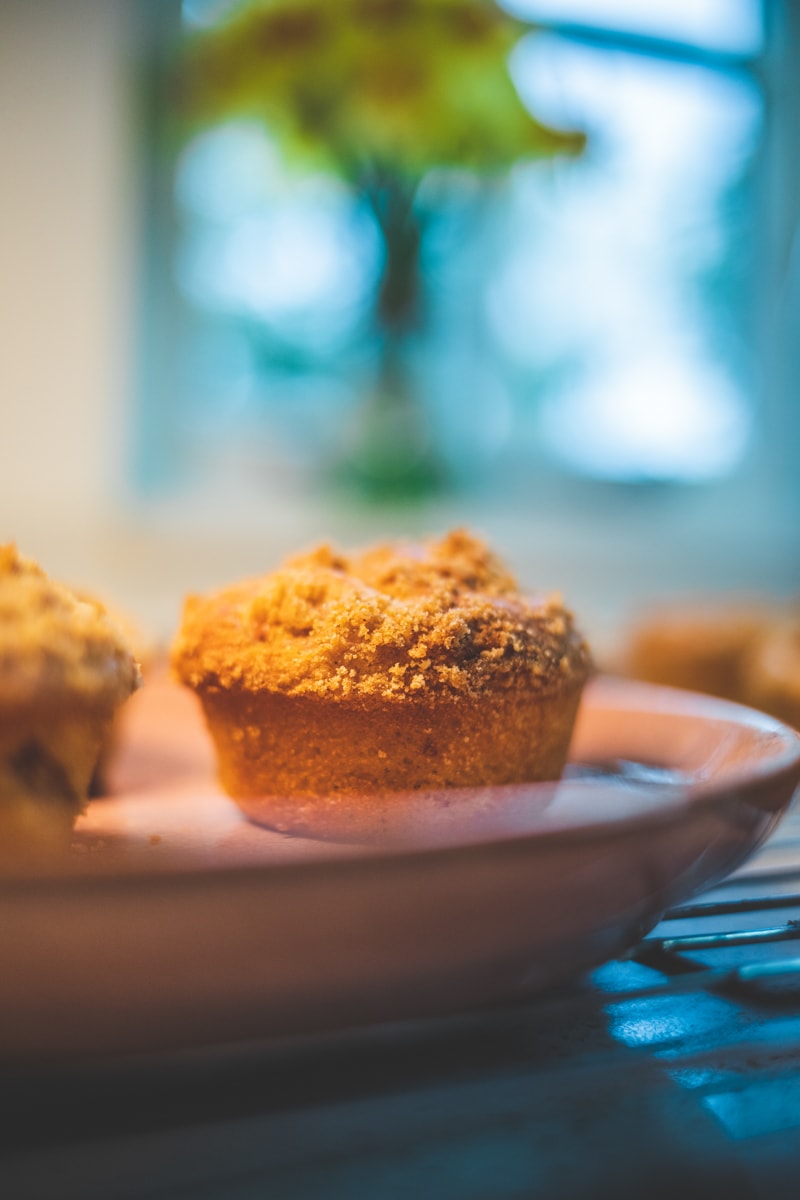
{"points": [[340, 677], [147, 654], [771, 668], [64, 669], [700, 646]]}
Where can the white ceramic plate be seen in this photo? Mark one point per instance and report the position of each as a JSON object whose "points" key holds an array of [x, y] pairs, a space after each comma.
{"points": [[175, 922]]}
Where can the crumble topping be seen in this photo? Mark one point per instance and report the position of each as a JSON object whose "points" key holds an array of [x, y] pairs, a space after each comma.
{"points": [[52, 642], [393, 621]]}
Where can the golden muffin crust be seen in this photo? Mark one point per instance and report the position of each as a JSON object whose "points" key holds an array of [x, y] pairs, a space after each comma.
{"points": [[53, 644], [394, 622]]}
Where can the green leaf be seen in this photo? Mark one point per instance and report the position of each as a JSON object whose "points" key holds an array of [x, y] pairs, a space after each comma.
{"points": [[346, 84]]}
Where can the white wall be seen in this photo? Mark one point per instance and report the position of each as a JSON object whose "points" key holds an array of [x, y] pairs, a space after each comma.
{"points": [[65, 256]]}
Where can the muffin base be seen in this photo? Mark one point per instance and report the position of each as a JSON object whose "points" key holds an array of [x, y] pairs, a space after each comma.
{"points": [[46, 762], [337, 770]]}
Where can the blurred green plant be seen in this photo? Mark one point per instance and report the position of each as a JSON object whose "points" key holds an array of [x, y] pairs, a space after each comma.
{"points": [[380, 92]]}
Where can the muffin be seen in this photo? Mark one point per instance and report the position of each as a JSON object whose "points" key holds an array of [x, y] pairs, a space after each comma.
{"points": [[341, 678], [771, 669], [64, 669], [145, 650], [700, 646]]}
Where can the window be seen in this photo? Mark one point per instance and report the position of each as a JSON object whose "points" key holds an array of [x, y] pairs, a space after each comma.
{"points": [[605, 320]]}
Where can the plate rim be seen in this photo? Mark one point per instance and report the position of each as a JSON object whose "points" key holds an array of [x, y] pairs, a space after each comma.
{"points": [[697, 797]]}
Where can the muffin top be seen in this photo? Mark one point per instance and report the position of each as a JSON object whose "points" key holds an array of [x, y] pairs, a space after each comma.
{"points": [[54, 645], [394, 621]]}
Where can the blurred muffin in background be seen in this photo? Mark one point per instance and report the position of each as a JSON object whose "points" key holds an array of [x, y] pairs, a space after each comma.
{"points": [[743, 651], [64, 670], [700, 646], [771, 668]]}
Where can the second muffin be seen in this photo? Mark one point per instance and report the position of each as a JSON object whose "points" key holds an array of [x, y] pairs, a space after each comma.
{"points": [[64, 671]]}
